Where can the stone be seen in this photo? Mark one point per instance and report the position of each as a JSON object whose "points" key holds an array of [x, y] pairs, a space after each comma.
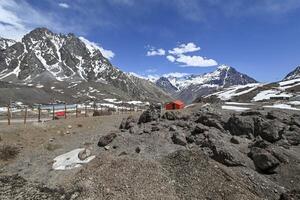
{"points": [[107, 139], [128, 123], [266, 129], [210, 122], [170, 115], [151, 114], [240, 125], [179, 138], [173, 128], [263, 160], [234, 140], [107, 148], [199, 129], [155, 128], [84, 154], [138, 150], [69, 126]]}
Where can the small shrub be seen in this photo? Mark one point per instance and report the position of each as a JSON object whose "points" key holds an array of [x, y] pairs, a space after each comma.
{"points": [[8, 152]]}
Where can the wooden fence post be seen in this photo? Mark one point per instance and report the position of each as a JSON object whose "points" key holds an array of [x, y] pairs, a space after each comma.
{"points": [[8, 114], [39, 115], [25, 116], [76, 111], [65, 111], [85, 110], [53, 112]]}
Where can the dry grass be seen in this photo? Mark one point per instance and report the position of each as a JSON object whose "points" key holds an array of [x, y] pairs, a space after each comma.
{"points": [[8, 152]]}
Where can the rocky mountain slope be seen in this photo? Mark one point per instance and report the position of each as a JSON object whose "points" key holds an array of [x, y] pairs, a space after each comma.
{"points": [[287, 90], [188, 88], [66, 67], [293, 75]]}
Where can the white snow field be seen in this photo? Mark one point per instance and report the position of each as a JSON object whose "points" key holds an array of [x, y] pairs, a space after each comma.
{"points": [[235, 108], [70, 160]]}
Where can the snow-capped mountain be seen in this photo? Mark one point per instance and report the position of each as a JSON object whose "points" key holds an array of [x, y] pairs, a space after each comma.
{"points": [[287, 90], [188, 88], [294, 74], [66, 66], [4, 43]]}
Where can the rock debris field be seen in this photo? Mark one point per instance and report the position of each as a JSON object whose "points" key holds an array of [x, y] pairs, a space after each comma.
{"points": [[196, 153]]}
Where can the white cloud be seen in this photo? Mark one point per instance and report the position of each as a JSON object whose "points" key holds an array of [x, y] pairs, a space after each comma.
{"points": [[184, 48], [18, 18], [171, 58], [149, 77], [156, 52], [92, 45], [195, 61], [63, 5]]}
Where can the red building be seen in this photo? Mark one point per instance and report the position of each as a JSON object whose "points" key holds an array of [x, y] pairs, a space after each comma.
{"points": [[175, 105]]}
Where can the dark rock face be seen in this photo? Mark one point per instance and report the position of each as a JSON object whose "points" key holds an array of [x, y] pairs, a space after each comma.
{"points": [[291, 195], [107, 139], [170, 115], [266, 129], [238, 125], [166, 85], [264, 160], [179, 138]]}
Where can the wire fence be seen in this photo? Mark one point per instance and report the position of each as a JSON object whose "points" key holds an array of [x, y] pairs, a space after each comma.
{"points": [[38, 113]]}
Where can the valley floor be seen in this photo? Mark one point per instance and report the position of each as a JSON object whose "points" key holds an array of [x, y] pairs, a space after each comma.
{"points": [[173, 157]]}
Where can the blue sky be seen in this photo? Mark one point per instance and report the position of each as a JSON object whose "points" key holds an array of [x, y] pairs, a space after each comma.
{"points": [[257, 37]]}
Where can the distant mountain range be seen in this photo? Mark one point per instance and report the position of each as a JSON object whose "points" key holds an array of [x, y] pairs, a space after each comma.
{"points": [[189, 87], [45, 66], [286, 90]]}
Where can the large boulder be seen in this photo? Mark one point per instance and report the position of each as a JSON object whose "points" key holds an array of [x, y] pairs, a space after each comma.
{"points": [[179, 138], [170, 115], [267, 129], [220, 150], [240, 125], [128, 123], [292, 135], [107, 139], [263, 160], [210, 121], [151, 114]]}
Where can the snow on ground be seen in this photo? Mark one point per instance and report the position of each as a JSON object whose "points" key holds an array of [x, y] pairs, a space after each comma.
{"points": [[296, 103], [235, 108], [112, 100], [284, 83], [267, 94], [232, 91], [282, 106], [70, 160], [237, 103]]}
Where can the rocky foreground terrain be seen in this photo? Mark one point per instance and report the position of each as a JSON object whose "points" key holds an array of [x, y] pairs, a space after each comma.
{"points": [[202, 152]]}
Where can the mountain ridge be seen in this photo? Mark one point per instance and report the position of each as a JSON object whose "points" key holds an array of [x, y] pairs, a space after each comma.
{"points": [[65, 67], [190, 87]]}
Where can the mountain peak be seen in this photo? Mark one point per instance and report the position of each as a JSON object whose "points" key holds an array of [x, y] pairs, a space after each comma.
{"points": [[224, 67], [294, 74]]}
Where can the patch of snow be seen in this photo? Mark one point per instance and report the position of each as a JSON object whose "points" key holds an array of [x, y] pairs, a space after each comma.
{"points": [[235, 108], [70, 160], [268, 94], [282, 106], [296, 103], [238, 103], [289, 82]]}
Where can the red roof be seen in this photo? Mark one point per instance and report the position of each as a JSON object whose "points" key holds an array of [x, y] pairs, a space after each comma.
{"points": [[178, 102]]}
